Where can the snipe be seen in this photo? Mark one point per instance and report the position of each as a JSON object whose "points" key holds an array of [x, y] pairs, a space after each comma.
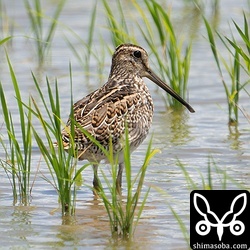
{"points": [[123, 98]]}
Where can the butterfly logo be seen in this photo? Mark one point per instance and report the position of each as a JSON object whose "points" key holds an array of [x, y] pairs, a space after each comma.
{"points": [[203, 227]]}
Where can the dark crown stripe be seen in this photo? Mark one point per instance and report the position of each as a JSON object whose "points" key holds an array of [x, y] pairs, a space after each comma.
{"points": [[124, 47]]}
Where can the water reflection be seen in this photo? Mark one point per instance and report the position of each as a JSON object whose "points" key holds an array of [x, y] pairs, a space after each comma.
{"points": [[233, 137], [21, 221], [175, 128], [86, 224], [22, 215]]}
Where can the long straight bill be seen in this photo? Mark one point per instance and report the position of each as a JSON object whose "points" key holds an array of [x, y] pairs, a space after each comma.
{"points": [[153, 77]]}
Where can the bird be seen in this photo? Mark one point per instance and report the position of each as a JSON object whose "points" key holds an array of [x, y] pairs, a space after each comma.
{"points": [[124, 101]]}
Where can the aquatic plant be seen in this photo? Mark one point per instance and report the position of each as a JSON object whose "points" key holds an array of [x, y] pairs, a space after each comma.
{"points": [[232, 67], [242, 47], [117, 24], [86, 52], [122, 211], [171, 54], [214, 178], [7, 24], [66, 177], [36, 16], [17, 162], [4, 40], [206, 180]]}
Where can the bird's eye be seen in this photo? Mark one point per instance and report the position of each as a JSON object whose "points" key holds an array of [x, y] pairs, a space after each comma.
{"points": [[137, 54]]}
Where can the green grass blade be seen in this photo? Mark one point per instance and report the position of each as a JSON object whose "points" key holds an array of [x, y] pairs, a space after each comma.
{"points": [[6, 39], [244, 36], [54, 21], [188, 178], [182, 225], [212, 44]]}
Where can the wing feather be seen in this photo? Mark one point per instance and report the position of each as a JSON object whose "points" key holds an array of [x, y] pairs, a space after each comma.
{"points": [[102, 112]]}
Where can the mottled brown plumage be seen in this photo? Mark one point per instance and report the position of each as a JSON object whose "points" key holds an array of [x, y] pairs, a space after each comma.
{"points": [[123, 98]]}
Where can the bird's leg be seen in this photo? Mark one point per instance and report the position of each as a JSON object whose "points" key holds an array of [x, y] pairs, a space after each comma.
{"points": [[119, 178], [96, 183]]}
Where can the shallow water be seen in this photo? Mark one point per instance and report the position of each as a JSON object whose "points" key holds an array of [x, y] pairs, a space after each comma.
{"points": [[189, 138]]}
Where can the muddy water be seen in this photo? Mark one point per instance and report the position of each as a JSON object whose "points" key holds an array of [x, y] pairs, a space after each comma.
{"points": [[188, 138]]}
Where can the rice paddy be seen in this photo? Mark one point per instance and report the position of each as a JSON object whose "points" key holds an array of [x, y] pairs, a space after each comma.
{"points": [[54, 54]]}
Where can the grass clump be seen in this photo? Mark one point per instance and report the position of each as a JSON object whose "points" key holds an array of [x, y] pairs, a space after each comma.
{"points": [[233, 67], [43, 40], [122, 212], [213, 178], [17, 163], [172, 56], [243, 47], [66, 178], [117, 24], [86, 52]]}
